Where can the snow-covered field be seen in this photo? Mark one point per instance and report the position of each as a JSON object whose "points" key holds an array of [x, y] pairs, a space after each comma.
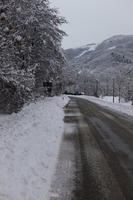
{"points": [[29, 145], [125, 108]]}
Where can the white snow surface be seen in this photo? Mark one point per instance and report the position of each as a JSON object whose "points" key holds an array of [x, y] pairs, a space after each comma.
{"points": [[84, 52], [116, 99], [125, 108], [111, 48], [91, 47], [29, 145]]}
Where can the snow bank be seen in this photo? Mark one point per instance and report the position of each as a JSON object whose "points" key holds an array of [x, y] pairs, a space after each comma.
{"points": [[110, 99], [125, 108], [29, 144]]}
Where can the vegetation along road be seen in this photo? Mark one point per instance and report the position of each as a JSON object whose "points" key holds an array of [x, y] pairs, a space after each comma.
{"points": [[96, 155]]}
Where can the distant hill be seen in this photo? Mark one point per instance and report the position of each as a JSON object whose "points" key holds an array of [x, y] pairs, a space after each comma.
{"points": [[78, 52], [100, 64], [112, 54]]}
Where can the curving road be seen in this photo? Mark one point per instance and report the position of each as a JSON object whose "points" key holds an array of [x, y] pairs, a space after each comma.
{"points": [[96, 155]]}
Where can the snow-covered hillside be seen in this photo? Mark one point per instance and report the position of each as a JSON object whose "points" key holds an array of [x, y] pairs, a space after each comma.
{"points": [[111, 59], [112, 54], [90, 47], [87, 49], [78, 52], [29, 146]]}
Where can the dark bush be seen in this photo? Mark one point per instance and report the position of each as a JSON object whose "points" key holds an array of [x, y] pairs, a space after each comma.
{"points": [[12, 96]]}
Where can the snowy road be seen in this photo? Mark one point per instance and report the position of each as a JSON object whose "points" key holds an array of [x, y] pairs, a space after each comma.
{"points": [[96, 155]]}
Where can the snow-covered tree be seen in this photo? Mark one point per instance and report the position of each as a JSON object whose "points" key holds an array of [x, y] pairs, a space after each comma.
{"points": [[30, 43]]}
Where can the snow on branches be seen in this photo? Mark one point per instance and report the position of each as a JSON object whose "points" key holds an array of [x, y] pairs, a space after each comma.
{"points": [[30, 40]]}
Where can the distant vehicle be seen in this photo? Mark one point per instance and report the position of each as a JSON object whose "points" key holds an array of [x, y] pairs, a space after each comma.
{"points": [[73, 93], [68, 93], [77, 93], [82, 93]]}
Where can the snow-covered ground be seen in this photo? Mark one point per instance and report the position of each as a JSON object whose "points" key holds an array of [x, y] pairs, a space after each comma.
{"points": [[110, 99], [123, 107], [29, 145]]}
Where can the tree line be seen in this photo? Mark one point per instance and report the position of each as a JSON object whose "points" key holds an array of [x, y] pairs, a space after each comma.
{"points": [[112, 83]]}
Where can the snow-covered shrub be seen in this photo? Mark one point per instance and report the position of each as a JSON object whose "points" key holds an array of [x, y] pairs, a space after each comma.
{"points": [[13, 96]]}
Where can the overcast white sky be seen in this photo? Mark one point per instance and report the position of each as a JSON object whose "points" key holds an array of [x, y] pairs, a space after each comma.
{"points": [[94, 20]]}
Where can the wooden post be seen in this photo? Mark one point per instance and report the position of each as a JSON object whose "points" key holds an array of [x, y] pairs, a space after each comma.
{"points": [[113, 90], [107, 88], [97, 88], [120, 93]]}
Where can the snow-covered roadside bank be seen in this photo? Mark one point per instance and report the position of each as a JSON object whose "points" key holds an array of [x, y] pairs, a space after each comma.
{"points": [[125, 108], [29, 145]]}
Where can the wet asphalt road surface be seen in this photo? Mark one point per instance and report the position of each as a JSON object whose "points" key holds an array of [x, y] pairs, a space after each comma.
{"points": [[96, 155]]}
